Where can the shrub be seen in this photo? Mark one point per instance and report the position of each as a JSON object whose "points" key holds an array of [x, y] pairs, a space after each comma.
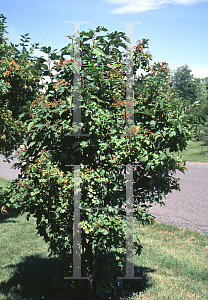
{"points": [[45, 186]]}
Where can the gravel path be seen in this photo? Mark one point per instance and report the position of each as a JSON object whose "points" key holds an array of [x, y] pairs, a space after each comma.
{"points": [[187, 208]]}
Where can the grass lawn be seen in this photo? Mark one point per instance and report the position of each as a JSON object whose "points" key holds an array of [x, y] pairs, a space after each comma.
{"points": [[3, 182], [195, 152], [173, 263], [176, 261]]}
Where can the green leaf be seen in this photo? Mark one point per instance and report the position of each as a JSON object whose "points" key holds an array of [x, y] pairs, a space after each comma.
{"points": [[54, 56], [98, 52], [39, 126], [152, 123], [180, 128], [101, 28], [69, 100], [172, 133], [32, 143], [142, 159], [84, 144], [46, 49], [30, 126], [53, 127]]}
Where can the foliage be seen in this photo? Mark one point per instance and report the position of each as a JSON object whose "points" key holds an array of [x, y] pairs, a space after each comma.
{"points": [[19, 86], [45, 186]]}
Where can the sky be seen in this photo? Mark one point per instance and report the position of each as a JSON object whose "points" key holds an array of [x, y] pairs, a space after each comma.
{"points": [[177, 30]]}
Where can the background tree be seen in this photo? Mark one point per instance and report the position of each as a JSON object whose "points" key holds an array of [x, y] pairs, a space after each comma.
{"points": [[183, 81], [189, 90], [201, 111], [44, 189], [201, 96], [205, 82]]}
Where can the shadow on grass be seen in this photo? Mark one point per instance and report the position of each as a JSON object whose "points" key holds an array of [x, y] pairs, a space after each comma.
{"points": [[34, 279], [31, 279], [11, 213], [131, 286]]}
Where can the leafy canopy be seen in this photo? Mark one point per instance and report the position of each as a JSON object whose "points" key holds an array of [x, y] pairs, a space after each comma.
{"points": [[19, 86]]}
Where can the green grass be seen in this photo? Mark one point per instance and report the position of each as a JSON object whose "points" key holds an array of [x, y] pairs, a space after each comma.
{"points": [[3, 182], [173, 263], [195, 152], [176, 260]]}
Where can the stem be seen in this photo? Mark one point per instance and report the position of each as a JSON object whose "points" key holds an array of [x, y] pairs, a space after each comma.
{"points": [[90, 255], [94, 268], [89, 282], [93, 42]]}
